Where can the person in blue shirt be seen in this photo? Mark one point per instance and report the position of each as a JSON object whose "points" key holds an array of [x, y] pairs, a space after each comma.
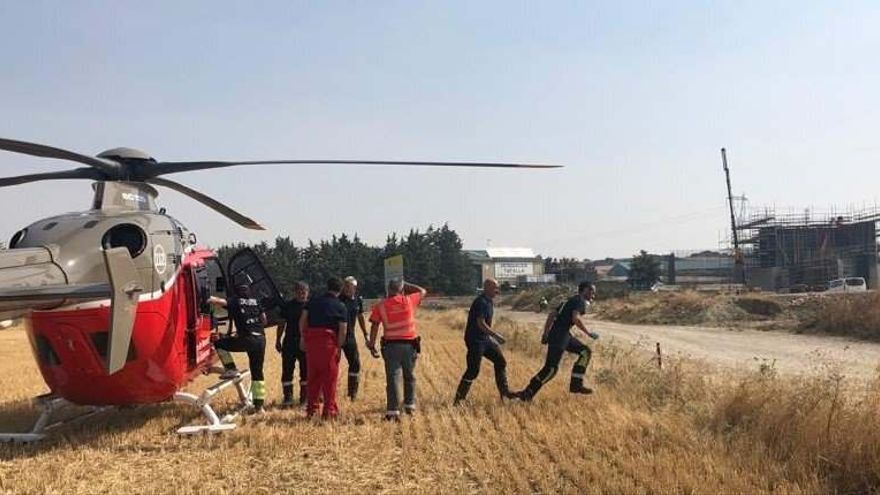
{"points": [[354, 307], [482, 342], [557, 336]]}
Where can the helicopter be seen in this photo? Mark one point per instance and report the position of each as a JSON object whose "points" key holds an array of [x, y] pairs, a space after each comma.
{"points": [[117, 297]]}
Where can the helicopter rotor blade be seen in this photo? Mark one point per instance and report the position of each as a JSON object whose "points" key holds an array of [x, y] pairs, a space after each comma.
{"points": [[77, 173], [107, 166], [217, 206], [163, 168]]}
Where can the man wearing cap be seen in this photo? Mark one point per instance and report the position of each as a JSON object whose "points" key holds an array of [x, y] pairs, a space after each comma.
{"points": [[249, 320], [322, 328], [400, 343], [354, 307]]}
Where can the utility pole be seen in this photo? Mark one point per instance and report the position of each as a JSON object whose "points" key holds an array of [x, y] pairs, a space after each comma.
{"points": [[739, 274]]}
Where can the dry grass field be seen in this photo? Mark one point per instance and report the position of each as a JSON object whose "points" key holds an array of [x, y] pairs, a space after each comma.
{"points": [[645, 431]]}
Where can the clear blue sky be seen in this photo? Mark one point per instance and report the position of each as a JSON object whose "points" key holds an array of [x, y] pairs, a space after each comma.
{"points": [[635, 98]]}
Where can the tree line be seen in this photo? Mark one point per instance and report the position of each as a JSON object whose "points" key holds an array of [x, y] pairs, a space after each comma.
{"points": [[432, 258]]}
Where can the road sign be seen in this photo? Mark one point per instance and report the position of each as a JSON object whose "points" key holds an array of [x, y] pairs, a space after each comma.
{"points": [[393, 269]]}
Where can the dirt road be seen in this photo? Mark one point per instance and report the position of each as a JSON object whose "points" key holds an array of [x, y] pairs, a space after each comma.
{"points": [[746, 349]]}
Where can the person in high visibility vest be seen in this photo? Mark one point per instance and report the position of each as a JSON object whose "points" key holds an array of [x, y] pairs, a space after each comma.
{"points": [[323, 325], [400, 343]]}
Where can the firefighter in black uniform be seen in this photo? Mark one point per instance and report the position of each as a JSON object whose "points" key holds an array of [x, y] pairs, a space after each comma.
{"points": [[481, 343], [559, 340], [354, 306], [247, 315], [287, 343]]}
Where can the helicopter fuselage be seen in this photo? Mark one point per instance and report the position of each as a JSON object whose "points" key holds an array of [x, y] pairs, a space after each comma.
{"points": [[171, 336]]}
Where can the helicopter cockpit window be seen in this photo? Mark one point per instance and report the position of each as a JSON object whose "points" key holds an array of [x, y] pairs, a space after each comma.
{"points": [[203, 289], [126, 235], [214, 282]]}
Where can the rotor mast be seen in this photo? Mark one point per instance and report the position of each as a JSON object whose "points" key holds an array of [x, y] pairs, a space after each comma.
{"points": [[119, 195]]}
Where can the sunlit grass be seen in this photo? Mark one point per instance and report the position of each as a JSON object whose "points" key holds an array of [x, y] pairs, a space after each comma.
{"points": [[676, 429]]}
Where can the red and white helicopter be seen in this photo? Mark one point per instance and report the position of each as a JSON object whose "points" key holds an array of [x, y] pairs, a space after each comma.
{"points": [[117, 295]]}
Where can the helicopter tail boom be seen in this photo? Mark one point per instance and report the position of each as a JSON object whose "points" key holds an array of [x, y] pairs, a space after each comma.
{"points": [[36, 282], [31, 279]]}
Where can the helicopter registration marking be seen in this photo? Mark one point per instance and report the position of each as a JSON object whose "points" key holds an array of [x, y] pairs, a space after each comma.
{"points": [[134, 198], [160, 261]]}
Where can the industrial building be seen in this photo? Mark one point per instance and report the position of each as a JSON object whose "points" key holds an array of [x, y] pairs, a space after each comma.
{"points": [[804, 251], [510, 266], [693, 269]]}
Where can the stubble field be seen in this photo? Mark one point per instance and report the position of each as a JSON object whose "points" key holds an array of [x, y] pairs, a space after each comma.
{"points": [[646, 430]]}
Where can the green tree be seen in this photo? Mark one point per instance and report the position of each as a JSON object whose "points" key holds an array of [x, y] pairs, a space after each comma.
{"points": [[433, 259], [644, 271]]}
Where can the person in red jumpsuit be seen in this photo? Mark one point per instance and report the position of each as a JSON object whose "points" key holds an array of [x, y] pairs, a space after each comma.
{"points": [[323, 327]]}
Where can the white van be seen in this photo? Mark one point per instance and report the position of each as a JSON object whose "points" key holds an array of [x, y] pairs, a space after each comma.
{"points": [[849, 284]]}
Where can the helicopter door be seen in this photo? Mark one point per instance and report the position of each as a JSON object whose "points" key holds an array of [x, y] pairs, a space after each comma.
{"points": [[190, 295], [245, 268], [199, 344]]}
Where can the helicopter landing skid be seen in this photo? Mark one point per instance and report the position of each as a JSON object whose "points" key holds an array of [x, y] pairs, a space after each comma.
{"points": [[50, 405], [216, 424]]}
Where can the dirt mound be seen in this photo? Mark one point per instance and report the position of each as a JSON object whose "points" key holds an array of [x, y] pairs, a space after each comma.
{"points": [[529, 300], [689, 308], [760, 306]]}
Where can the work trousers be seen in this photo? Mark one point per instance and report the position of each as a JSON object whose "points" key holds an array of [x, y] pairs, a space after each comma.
{"points": [[255, 347], [399, 357], [551, 365], [322, 348], [476, 351], [350, 350], [290, 354]]}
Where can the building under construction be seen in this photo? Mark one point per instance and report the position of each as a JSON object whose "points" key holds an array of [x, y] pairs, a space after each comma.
{"points": [[804, 251]]}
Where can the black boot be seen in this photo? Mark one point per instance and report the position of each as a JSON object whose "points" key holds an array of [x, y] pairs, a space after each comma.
{"points": [[501, 383], [580, 389], [577, 386], [528, 393], [464, 387], [303, 394], [353, 384], [287, 390]]}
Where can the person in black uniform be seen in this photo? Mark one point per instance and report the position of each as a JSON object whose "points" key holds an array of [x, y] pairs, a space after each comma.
{"points": [[481, 343], [249, 319], [559, 340], [287, 343], [354, 306]]}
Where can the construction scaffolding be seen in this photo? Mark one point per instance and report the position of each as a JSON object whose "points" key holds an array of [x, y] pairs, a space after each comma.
{"points": [[804, 250]]}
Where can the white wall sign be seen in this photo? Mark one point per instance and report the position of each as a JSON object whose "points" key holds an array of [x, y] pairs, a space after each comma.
{"points": [[513, 269]]}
